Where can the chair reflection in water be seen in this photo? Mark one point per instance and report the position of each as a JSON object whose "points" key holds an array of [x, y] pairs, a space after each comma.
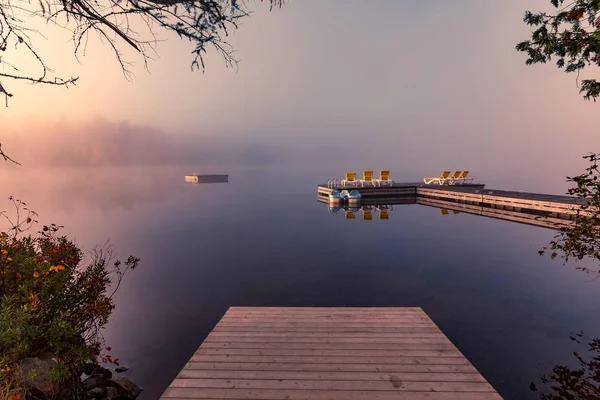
{"points": [[384, 212], [367, 214], [443, 211], [368, 211]]}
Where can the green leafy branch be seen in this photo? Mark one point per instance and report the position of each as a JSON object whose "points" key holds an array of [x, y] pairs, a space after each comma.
{"points": [[571, 36]]}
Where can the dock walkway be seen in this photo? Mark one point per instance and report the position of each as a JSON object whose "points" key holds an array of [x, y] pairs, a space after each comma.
{"points": [[474, 194], [272, 353]]}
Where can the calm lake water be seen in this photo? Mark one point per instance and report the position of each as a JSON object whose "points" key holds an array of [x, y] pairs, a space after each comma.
{"points": [[263, 240]]}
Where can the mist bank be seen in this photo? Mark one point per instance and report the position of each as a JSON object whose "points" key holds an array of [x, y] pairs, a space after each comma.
{"points": [[101, 143]]}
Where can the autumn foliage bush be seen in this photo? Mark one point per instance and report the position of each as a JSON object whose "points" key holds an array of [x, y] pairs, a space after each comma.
{"points": [[55, 301]]}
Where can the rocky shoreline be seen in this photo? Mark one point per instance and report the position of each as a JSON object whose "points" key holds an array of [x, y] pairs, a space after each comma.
{"points": [[96, 382], [103, 384]]}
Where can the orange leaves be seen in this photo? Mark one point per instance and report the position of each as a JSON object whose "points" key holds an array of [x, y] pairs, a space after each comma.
{"points": [[18, 275], [34, 300], [576, 14], [36, 274], [56, 268], [4, 252]]}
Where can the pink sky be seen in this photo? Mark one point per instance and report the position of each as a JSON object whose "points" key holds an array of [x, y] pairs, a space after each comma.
{"points": [[416, 87]]}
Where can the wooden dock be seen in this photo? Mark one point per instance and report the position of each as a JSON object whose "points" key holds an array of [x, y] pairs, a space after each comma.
{"points": [[473, 194], [272, 353]]}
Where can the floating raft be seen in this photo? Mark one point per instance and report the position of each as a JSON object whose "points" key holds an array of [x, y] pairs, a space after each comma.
{"points": [[271, 353], [196, 178]]}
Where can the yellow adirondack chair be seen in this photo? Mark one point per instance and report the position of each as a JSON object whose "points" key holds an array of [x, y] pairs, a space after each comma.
{"points": [[367, 178], [350, 178], [452, 179], [463, 177], [439, 180], [384, 178]]}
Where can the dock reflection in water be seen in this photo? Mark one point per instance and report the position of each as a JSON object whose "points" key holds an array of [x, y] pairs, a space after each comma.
{"points": [[369, 207], [367, 212]]}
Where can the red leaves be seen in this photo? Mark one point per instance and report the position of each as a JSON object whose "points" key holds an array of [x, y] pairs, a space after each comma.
{"points": [[576, 14], [108, 359]]}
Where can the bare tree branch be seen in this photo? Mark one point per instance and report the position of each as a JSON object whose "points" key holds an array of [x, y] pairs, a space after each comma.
{"points": [[5, 157], [205, 23]]}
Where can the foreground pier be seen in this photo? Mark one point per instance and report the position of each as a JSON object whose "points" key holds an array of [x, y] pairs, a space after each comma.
{"points": [[271, 353]]}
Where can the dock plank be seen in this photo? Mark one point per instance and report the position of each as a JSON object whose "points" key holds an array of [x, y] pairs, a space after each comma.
{"points": [[328, 346], [331, 367], [266, 353], [333, 376], [392, 383], [175, 393], [328, 353]]}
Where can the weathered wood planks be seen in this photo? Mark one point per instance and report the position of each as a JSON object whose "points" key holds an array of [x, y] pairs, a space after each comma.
{"points": [[268, 353]]}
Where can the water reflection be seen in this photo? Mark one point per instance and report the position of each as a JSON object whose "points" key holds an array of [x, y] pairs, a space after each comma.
{"points": [[205, 248], [382, 208], [382, 211], [581, 381], [551, 221]]}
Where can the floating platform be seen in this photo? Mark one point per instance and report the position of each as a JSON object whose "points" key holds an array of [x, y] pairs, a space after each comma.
{"points": [[272, 353], [563, 207], [196, 178]]}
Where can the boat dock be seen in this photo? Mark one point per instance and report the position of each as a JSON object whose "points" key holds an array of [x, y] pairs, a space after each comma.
{"points": [[564, 207], [272, 353]]}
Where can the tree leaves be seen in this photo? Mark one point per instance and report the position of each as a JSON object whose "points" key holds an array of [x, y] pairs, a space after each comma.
{"points": [[582, 239], [572, 35], [582, 382], [575, 15]]}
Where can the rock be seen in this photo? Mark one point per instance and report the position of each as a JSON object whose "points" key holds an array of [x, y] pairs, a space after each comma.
{"points": [[89, 383], [112, 393], [36, 372], [126, 386], [91, 369], [96, 393], [121, 368], [106, 373]]}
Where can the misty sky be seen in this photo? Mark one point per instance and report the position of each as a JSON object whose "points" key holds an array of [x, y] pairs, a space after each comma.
{"points": [[414, 86]]}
